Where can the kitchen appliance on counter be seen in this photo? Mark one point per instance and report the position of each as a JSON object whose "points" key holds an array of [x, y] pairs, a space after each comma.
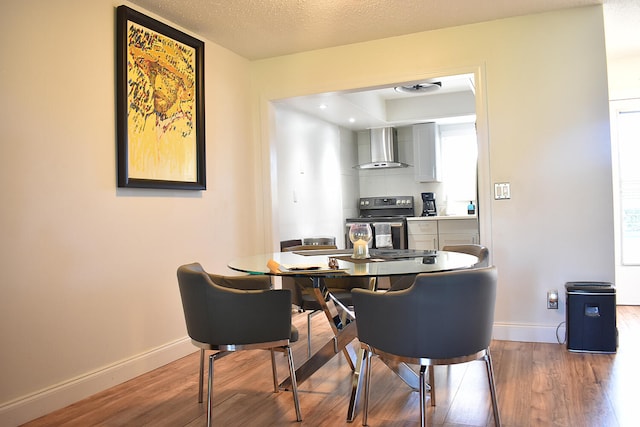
{"points": [[429, 204], [387, 217]]}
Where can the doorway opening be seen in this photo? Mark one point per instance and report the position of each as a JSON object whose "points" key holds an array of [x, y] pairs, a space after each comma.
{"points": [[316, 174], [625, 128]]}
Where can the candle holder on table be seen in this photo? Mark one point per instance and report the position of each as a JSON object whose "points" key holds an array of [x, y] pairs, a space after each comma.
{"points": [[360, 235]]}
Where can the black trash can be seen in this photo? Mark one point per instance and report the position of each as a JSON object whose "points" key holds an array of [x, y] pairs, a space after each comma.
{"points": [[591, 317]]}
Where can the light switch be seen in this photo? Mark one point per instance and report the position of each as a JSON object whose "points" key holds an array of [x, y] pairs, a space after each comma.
{"points": [[502, 190]]}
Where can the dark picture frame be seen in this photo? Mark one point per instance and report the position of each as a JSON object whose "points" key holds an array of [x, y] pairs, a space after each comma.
{"points": [[160, 105]]}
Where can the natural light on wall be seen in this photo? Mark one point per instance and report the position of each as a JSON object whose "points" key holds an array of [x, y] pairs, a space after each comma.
{"points": [[459, 150], [628, 126]]}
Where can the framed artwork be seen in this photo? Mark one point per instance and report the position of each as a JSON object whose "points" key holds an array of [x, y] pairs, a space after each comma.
{"points": [[160, 105]]}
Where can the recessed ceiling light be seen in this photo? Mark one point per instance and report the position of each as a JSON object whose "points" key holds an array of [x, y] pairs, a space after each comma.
{"points": [[323, 106], [352, 120], [419, 87]]}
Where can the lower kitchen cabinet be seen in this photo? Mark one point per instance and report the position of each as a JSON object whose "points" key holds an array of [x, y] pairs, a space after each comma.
{"points": [[423, 234], [457, 239], [430, 234], [457, 232]]}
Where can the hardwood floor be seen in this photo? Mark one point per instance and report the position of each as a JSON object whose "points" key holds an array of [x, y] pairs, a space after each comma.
{"points": [[537, 385]]}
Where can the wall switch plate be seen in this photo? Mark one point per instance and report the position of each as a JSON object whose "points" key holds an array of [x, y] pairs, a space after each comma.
{"points": [[502, 190]]}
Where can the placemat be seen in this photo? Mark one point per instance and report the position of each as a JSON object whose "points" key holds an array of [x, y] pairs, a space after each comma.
{"points": [[358, 261]]}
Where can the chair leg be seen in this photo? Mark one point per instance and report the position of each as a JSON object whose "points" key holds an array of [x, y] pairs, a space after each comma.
{"points": [[423, 395], [274, 370], [294, 384], [492, 389], [367, 384], [309, 316], [201, 376], [309, 333], [210, 391], [432, 386]]}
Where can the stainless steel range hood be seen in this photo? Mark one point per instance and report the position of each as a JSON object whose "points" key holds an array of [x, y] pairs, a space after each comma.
{"points": [[384, 150]]}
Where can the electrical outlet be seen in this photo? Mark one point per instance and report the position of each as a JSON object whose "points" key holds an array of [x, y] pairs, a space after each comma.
{"points": [[552, 300]]}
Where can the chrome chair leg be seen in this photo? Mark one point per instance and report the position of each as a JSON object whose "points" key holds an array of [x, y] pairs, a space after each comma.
{"points": [[432, 386], [274, 371], [423, 395], [294, 384], [201, 376], [309, 316], [210, 390], [367, 384], [492, 389]]}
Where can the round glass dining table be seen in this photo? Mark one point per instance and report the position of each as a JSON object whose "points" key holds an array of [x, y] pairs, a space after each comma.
{"points": [[322, 264], [382, 263]]}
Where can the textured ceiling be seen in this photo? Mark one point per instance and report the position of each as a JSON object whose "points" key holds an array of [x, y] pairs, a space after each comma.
{"points": [[258, 29]]}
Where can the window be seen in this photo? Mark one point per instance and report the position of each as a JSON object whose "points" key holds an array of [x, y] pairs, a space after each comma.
{"points": [[459, 151]]}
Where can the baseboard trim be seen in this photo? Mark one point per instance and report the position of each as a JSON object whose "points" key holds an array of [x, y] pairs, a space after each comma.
{"points": [[529, 333], [58, 396]]}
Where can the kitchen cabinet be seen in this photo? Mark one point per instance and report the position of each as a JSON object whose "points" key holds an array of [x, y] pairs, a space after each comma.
{"points": [[429, 233], [426, 152], [457, 232], [423, 235]]}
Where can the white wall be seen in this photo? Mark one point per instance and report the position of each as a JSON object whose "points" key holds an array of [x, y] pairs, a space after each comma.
{"points": [[88, 271], [315, 178], [543, 126]]}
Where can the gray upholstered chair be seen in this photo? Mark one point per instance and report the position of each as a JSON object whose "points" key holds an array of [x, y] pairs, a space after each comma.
{"points": [[477, 250], [301, 288], [442, 319], [403, 282], [236, 313]]}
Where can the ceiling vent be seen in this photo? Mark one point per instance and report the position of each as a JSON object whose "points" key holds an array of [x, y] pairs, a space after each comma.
{"points": [[419, 87]]}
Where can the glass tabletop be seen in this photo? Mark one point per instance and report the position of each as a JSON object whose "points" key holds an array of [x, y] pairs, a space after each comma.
{"points": [[435, 261]]}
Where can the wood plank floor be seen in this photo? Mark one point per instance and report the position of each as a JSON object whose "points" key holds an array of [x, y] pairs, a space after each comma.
{"points": [[537, 385]]}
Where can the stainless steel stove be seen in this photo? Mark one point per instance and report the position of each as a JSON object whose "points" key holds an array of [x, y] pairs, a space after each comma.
{"points": [[388, 219]]}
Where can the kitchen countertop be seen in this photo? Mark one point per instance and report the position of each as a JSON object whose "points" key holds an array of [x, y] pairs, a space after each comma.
{"points": [[440, 217]]}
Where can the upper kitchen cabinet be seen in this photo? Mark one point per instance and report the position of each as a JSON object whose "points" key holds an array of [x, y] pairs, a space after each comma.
{"points": [[426, 152]]}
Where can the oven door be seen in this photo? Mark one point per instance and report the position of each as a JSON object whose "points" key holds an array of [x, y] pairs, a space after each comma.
{"points": [[397, 239], [390, 235]]}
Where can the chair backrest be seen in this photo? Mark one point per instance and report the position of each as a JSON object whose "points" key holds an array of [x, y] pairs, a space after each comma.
{"points": [[241, 282], [219, 315], [477, 250], [288, 243], [441, 316]]}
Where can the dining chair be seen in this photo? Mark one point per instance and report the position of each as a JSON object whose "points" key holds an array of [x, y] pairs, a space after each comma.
{"points": [[480, 251], [302, 288], [232, 313], [442, 319]]}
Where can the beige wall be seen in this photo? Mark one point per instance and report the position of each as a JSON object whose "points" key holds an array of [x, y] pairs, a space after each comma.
{"points": [[89, 294], [543, 127]]}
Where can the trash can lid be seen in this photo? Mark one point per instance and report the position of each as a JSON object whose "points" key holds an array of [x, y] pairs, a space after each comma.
{"points": [[590, 287]]}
